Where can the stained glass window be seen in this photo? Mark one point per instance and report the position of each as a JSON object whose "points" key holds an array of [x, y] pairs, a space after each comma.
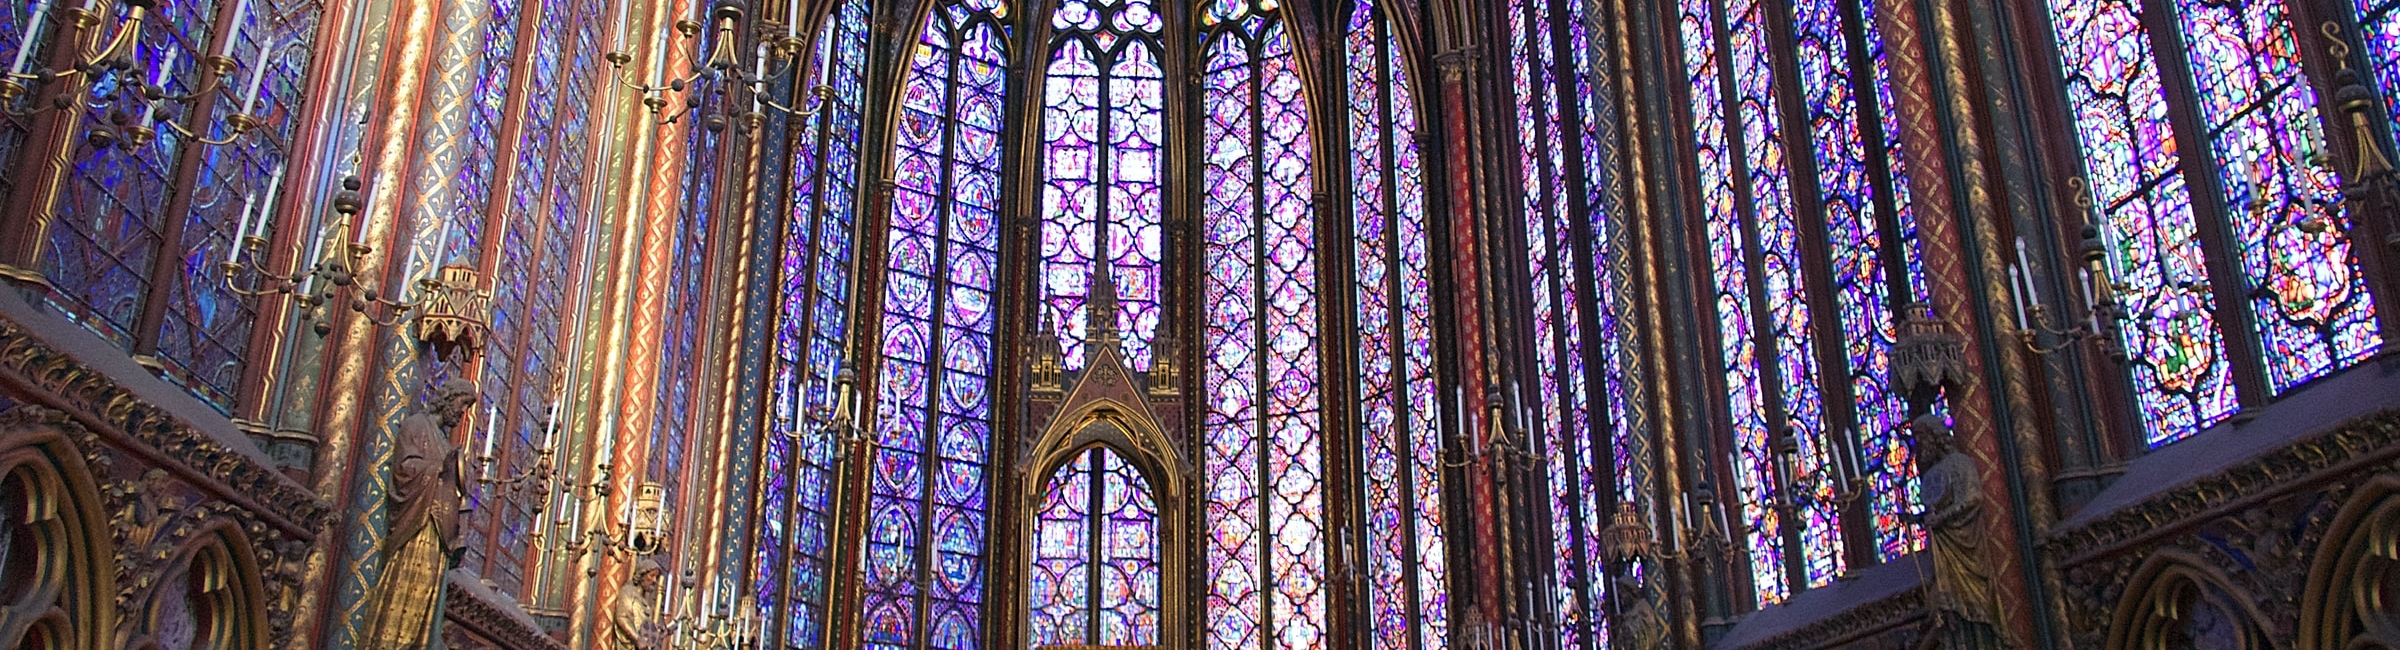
{"points": [[109, 226], [924, 549], [1101, 117], [2379, 24], [1262, 432], [794, 543], [538, 248], [1767, 188], [1095, 564], [2307, 297], [1553, 101], [2310, 300], [206, 329], [1400, 424]]}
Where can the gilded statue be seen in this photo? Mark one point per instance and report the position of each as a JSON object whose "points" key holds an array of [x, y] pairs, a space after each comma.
{"points": [[428, 486], [1638, 623], [632, 624], [1961, 594]]}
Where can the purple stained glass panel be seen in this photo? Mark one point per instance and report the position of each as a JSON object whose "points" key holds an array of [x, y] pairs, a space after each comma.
{"points": [[1399, 430], [2312, 310], [1102, 120], [927, 495], [1265, 508], [2181, 378]]}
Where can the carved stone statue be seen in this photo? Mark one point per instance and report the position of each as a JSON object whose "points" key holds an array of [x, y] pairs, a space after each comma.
{"points": [[1638, 624], [428, 486], [1961, 596], [632, 626]]}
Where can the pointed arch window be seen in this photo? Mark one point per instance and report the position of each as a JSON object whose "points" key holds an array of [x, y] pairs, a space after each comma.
{"points": [[927, 491], [1263, 430], [1400, 422], [2200, 178], [1812, 246], [1578, 351], [1095, 574], [1103, 110], [794, 545]]}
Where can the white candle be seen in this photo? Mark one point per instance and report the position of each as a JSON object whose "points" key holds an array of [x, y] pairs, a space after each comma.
{"points": [[234, 252], [234, 34], [159, 80], [2017, 278], [316, 252], [358, 225], [550, 429], [791, 19], [491, 429], [258, 75], [33, 37], [267, 208], [441, 245], [2031, 295], [758, 87], [2090, 288]]}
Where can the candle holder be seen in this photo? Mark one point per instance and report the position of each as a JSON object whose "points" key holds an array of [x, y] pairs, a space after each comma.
{"points": [[2102, 316], [711, 627], [1700, 536], [721, 73], [337, 256], [117, 58], [642, 531]]}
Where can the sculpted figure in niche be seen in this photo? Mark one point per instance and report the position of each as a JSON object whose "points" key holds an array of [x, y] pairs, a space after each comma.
{"points": [[632, 626], [428, 486], [1961, 594]]}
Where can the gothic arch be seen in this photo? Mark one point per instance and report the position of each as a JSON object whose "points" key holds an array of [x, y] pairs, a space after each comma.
{"points": [[66, 594], [2347, 604], [2174, 599], [1134, 435], [214, 586]]}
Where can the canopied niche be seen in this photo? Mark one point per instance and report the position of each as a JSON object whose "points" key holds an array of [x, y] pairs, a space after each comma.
{"points": [[2353, 597], [2174, 601], [1105, 538], [55, 563]]}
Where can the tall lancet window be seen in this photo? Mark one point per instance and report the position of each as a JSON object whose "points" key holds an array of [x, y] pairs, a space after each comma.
{"points": [[1263, 432], [923, 576], [1102, 108], [2231, 182], [1810, 237], [794, 545], [1400, 438], [1581, 404], [1095, 564]]}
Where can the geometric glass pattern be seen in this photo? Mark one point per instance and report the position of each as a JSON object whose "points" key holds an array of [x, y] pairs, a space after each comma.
{"points": [[2182, 381], [1095, 564], [1862, 210], [2379, 34], [1555, 113], [927, 491], [1399, 430], [2284, 221], [1262, 438], [2310, 305], [1821, 377], [1103, 107], [795, 544]]}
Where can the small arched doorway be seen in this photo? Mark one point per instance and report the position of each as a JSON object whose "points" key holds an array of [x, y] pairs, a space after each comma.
{"points": [[1095, 563]]}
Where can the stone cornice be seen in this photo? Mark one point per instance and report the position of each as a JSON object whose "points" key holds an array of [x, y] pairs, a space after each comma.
{"points": [[468, 608], [1883, 614], [2361, 442], [125, 420]]}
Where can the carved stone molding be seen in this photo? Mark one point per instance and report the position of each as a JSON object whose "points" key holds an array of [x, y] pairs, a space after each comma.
{"points": [[1897, 612], [124, 419], [2181, 507], [468, 610]]}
